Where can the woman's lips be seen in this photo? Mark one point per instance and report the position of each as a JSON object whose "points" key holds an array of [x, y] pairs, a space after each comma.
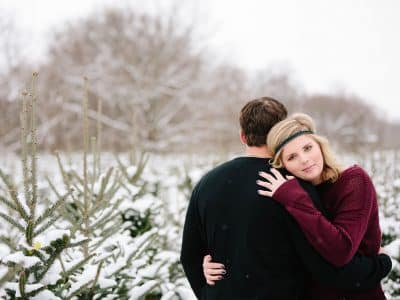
{"points": [[308, 169]]}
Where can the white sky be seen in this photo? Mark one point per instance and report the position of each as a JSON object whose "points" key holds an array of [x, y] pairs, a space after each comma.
{"points": [[341, 45]]}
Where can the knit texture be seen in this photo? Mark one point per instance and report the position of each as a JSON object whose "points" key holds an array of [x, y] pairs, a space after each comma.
{"points": [[354, 226]]}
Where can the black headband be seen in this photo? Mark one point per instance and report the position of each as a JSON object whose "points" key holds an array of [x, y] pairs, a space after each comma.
{"points": [[291, 137]]}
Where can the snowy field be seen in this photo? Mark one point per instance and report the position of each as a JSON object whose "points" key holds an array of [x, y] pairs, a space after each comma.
{"points": [[82, 246]]}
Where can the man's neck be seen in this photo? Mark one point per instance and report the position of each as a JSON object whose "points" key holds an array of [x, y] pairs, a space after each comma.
{"points": [[261, 151]]}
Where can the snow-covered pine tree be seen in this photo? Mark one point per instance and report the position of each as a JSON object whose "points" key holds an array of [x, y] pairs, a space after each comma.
{"points": [[77, 245], [171, 180], [34, 266], [118, 259]]}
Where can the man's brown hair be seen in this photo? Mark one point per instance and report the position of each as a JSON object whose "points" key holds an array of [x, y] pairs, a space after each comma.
{"points": [[257, 118]]}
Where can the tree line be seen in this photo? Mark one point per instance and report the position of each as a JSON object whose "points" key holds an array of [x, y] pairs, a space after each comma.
{"points": [[154, 85]]}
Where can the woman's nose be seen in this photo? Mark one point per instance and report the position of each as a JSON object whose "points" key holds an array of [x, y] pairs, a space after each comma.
{"points": [[304, 159]]}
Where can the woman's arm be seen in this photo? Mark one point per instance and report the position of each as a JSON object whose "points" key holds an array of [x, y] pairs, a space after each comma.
{"points": [[337, 240], [359, 274]]}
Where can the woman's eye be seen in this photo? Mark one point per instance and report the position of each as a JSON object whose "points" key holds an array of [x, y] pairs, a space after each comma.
{"points": [[308, 148]]}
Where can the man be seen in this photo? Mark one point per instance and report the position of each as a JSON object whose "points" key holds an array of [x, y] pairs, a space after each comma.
{"points": [[265, 254]]}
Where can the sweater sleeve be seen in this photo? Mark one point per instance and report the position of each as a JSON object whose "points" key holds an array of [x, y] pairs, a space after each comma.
{"points": [[193, 247], [337, 240], [361, 273]]}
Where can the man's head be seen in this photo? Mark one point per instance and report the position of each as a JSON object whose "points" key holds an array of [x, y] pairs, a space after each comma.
{"points": [[257, 117]]}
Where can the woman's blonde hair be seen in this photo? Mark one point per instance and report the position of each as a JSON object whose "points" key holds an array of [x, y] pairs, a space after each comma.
{"points": [[282, 132]]}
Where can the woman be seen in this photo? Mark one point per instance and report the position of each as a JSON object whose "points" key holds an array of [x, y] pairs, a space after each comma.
{"points": [[347, 193]]}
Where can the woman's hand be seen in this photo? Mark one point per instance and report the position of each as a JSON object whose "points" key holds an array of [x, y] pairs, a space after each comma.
{"points": [[212, 271], [272, 183]]}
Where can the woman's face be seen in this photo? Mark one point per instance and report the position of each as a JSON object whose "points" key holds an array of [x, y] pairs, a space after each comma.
{"points": [[303, 158]]}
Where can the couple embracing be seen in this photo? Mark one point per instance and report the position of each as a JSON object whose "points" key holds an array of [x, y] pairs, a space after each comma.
{"points": [[285, 220]]}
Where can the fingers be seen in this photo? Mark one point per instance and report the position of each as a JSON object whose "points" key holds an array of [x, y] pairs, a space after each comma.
{"points": [[267, 176], [209, 282], [212, 279], [264, 193], [207, 258], [289, 177], [211, 265], [277, 174], [208, 264], [265, 184], [212, 271]]}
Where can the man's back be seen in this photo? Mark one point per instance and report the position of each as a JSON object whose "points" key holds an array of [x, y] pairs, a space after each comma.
{"points": [[245, 232]]}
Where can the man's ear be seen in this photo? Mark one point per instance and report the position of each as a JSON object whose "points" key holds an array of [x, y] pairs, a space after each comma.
{"points": [[242, 137]]}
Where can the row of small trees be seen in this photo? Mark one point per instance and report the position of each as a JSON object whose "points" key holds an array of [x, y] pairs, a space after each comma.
{"points": [[90, 234]]}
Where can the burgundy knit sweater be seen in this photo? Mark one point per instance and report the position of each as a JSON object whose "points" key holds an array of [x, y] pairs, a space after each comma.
{"points": [[354, 226]]}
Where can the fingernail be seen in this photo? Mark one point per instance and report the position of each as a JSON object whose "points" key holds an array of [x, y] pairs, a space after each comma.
{"points": [[223, 272]]}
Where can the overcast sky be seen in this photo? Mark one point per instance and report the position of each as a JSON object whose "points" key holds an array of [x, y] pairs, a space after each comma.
{"points": [[341, 45]]}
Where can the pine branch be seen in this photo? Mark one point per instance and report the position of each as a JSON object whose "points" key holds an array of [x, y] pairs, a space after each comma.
{"points": [[14, 196], [8, 203], [98, 127], [97, 275], [98, 202], [80, 208], [122, 167], [70, 214], [39, 255], [35, 292], [80, 290], [151, 236], [24, 145], [116, 184], [144, 157], [106, 219], [45, 226], [86, 203], [61, 262], [12, 222], [80, 243], [105, 235], [77, 266], [12, 271], [80, 180], [49, 211], [7, 240], [22, 283], [32, 204], [53, 188], [60, 246], [66, 179], [104, 182], [29, 232]]}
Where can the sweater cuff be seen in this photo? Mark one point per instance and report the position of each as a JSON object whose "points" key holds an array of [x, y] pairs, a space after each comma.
{"points": [[386, 264], [287, 193]]}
